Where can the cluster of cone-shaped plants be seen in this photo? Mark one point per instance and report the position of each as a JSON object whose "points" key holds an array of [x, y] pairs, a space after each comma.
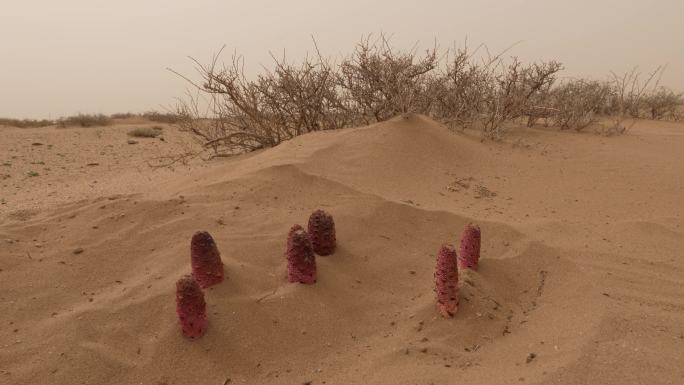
{"points": [[301, 261], [322, 232], [302, 246], [469, 251], [190, 307], [446, 280], [207, 268], [450, 263]]}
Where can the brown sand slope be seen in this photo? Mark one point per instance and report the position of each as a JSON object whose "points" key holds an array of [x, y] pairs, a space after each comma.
{"points": [[582, 265]]}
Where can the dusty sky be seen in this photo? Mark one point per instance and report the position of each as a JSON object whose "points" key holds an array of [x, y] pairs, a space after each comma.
{"points": [[60, 57]]}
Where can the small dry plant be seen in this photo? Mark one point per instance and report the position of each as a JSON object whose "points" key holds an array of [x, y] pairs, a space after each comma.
{"points": [[145, 132], [85, 120], [628, 90]]}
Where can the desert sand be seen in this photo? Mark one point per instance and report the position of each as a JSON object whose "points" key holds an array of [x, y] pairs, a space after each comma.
{"points": [[581, 279]]}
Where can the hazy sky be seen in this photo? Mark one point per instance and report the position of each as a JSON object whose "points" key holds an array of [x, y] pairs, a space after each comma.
{"points": [[60, 57]]}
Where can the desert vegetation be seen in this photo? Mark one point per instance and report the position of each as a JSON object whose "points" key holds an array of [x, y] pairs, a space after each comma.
{"points": [[446, 281], [191, 307], [159, 117], [85, 120], [463, 88], [301, 250], [25, 123], [146, 132], [469, 250], [322, 232], [152, 116], [91, 120], [207, 267]]}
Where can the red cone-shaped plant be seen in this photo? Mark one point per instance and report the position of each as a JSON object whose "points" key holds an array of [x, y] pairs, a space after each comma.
{"points": [[207, 268], [322, 232], [301, 262], [446, 281], [190, 307], [469, 252]]}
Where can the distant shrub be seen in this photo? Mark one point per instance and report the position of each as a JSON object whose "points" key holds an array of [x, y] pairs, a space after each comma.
{"points": [[26, 123], [577, 104], [627, 93], [490, 92], [145, 132], [513, 89], [662, 103], [160, 117], [85, 120]]}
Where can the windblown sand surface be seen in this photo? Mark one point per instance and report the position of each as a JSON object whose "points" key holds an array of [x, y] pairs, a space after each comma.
{"points": [[581, 279]]}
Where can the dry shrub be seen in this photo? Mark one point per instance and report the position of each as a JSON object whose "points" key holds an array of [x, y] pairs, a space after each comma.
{"points": [[662, 104], [244, 115], [85, 120], [379, 82], [513, 91], [26, 123], [628, 90], [231, 113], [152, 116], [490, 91], [457, 91], [374, 84], [160, 117], [577, 104], [145, 132]]}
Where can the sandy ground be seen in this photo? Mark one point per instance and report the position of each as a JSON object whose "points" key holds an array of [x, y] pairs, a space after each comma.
{"points": [[581, 279]]}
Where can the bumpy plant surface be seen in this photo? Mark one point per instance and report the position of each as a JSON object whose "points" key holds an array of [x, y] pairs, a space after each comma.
{"points": [[207, 268], [469, 252], [190, 307], [322, 232], [301, 261], [446, 281]]}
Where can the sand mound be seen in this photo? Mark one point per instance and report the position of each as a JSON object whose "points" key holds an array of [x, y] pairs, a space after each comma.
{"points": [[560, 296]]}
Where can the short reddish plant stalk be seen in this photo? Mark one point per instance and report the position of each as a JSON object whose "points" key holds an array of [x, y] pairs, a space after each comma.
{"points": [[207, 268], [446, 281], [301, 262], [190, 307], [469, 252], [322, 232]]}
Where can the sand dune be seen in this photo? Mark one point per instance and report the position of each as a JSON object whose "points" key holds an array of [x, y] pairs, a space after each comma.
{"points": [[581, 279]]}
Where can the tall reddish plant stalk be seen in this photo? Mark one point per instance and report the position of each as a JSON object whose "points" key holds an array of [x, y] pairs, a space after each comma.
{"points": [[446, 281], [469, 252], [190, 307], [301, 261], [207, 268], [322, 232]]}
